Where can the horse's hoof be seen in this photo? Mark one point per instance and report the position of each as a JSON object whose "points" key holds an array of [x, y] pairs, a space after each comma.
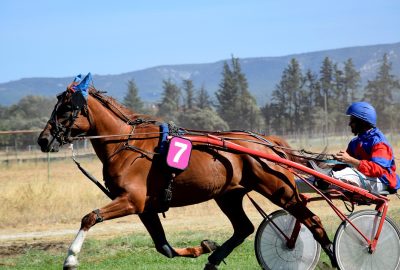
{"points": [[71, 263], [209, 246], [210, 266], [70, 267], [329, 251]]}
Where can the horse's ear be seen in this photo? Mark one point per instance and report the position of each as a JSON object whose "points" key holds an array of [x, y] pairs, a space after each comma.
{"points": [[78, 100], [83, 85], [78, 79]]}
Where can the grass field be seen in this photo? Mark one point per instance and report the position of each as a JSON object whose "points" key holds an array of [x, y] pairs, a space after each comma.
{"points": [[34, 204], [132, 252]]}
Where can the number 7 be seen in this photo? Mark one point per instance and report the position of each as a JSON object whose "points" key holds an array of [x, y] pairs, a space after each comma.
{"points": [[182, 149]]}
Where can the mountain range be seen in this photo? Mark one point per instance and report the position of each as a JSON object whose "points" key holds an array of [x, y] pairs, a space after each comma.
{"points": [[262, 73]]}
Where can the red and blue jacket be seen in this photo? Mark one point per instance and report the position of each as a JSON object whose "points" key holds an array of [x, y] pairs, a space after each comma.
{"points": [[376, 157]]}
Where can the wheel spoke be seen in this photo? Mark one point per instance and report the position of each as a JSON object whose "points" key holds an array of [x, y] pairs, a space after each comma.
{"points": [[351, 250], [271, 250]]}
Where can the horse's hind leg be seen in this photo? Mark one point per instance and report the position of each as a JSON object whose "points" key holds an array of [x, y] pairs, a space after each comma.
{"points": [[121, 206], [278, 185], [288, 198], [231, 204], [153, 225], [298, 209]]}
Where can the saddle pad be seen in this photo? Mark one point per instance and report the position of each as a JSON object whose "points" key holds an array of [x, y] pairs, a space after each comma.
{"points": [[179, 151]]}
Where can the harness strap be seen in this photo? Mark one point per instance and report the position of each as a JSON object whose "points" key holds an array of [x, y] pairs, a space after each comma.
{"points": [[167, 129], [163, 143], [93, 179]]}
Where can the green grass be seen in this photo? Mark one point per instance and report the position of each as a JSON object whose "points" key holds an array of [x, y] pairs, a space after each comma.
{"points": [[135, 252]]}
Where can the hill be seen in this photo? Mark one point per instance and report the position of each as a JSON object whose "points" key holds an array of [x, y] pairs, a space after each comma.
{"points": [[263, 73]]}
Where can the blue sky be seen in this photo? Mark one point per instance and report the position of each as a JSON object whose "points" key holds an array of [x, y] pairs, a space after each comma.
{"points": [[63, 38]]}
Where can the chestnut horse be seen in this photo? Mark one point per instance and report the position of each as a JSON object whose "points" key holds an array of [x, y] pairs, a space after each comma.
{"points": [[135, 174]]}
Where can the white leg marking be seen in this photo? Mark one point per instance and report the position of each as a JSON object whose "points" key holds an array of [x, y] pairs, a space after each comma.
{"points": [[74, 249]]}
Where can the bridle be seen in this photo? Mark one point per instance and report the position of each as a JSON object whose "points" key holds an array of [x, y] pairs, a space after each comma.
{"points": [[76, 104]]}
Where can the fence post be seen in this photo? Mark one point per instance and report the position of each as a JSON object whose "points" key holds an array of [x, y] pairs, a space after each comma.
{"points": [[16, 149], [48, 166]]}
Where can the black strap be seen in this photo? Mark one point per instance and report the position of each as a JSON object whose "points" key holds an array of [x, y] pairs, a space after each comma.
{"points": [[93, 179]]}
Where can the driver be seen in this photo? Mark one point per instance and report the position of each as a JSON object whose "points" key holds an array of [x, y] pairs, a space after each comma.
{"points": [[369, 154]]}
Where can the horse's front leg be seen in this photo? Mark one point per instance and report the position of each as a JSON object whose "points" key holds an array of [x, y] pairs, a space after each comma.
{"points": [[119, 207], [153, 225]]}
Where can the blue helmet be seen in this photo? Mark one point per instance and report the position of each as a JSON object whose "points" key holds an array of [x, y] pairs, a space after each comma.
{"points": [[364, 111]]}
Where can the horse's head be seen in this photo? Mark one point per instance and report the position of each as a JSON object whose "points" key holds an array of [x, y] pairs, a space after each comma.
{"points": [[69, 117]]}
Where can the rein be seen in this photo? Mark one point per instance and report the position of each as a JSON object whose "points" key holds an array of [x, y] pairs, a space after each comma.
{"points": [[79, 104], [302, 152], [81, 138], [108, 103]]}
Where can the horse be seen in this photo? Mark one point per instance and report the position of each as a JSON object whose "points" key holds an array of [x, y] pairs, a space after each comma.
{"points": [[129, 146]]}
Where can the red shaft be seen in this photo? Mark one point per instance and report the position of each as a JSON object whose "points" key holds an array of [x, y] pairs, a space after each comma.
{"points": [[216, 141]]}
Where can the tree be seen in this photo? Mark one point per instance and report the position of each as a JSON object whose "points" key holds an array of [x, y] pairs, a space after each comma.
{"points": [[203, 100], [294, 84], [249, 116], [326, 78], [351, 80], [287, 98], [169, 106], [271, 113], [379, 92], [309, 101], [235, 103], [188, 89], [277, 109], [227, 96], [339, 100], [202, 119], [3, 116], [132, 100], [31, 112], [197, 110]]}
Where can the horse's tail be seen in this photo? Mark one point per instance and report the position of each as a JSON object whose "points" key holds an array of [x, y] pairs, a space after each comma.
{"points": [[283, 148], [316, 161]]}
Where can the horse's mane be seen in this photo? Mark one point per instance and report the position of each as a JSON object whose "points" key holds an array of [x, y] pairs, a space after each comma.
{"points": [[115, 106]]}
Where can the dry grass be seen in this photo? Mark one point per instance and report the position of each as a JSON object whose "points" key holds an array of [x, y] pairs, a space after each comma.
{"points": [[29, 196]]}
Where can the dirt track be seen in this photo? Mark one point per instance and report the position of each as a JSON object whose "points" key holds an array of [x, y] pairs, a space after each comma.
{"points": [[58, 237]]}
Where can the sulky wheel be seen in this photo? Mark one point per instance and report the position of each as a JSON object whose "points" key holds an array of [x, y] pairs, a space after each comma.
{"points": [[351, 250], [270, 245]]}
